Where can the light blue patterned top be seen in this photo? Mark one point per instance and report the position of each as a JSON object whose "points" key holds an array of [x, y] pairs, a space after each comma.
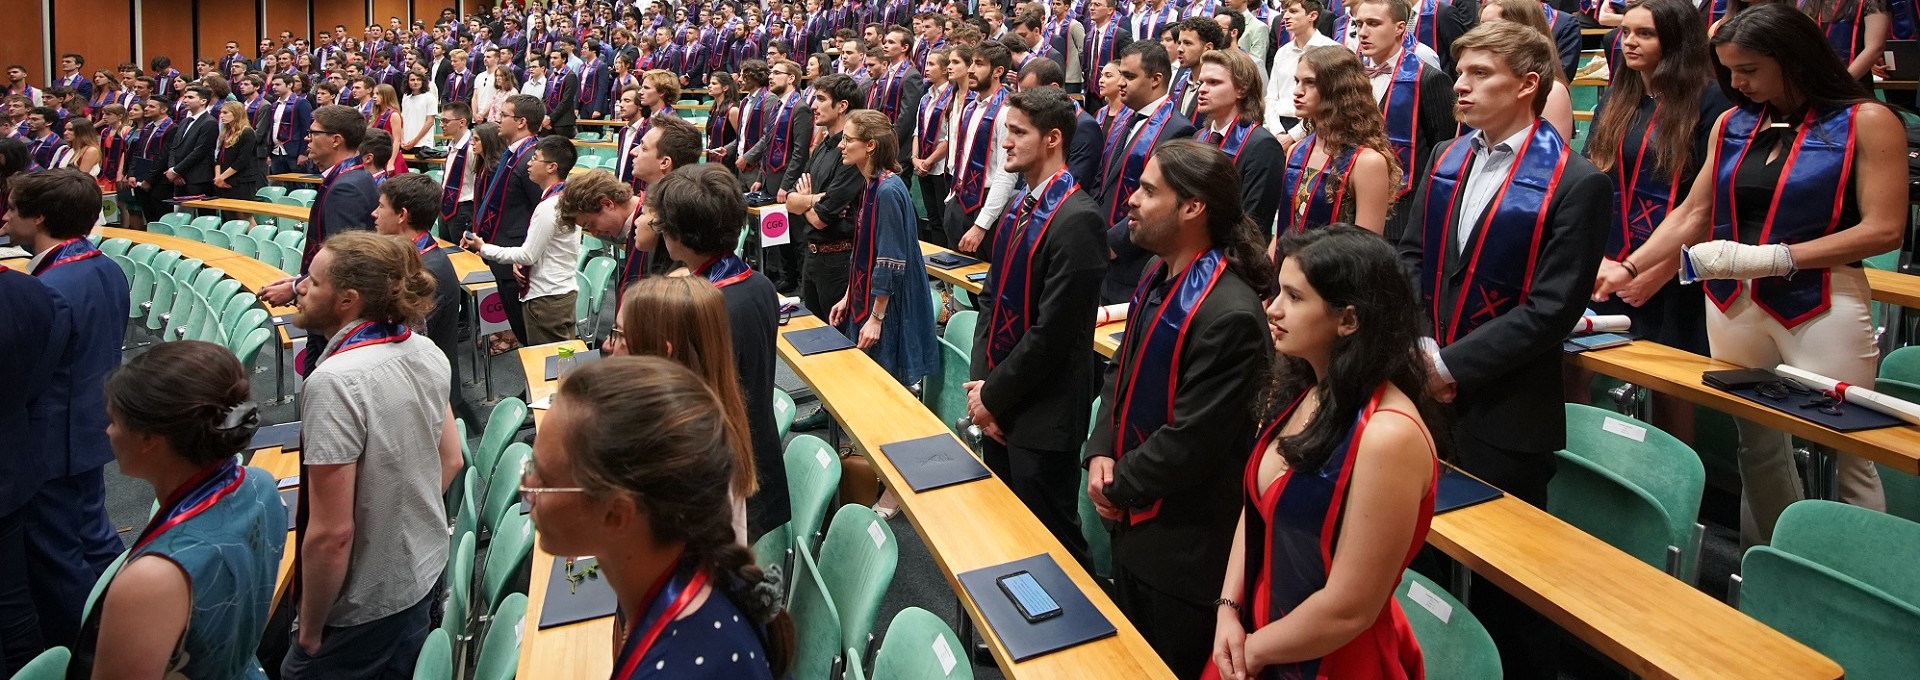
{"points": [[231, 554]]}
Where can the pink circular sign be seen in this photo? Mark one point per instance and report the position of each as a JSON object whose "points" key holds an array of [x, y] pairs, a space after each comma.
{"points": [[491, 309], [774, 226]]}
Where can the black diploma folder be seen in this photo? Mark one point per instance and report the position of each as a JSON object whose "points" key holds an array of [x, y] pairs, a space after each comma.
{"points": [[816, 340], [933, 462], [570, 602], [1457, 490], [950, 260], [284, 435], [1078, 621]]}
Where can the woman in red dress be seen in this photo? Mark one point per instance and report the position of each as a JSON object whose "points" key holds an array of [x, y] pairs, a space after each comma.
{"points": [[386, 116], [1340, 487]]}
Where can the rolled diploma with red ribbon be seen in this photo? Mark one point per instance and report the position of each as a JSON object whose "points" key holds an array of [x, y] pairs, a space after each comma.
{"points": [[1602, 323], [1854, 394], [1112, 314]]}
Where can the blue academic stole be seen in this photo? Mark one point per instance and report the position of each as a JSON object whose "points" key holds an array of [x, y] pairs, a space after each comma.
{"points": [[1323, 199], [1427, 32], [933, 109], [1818, 170], [456, 176], [316, 232], [725, 270], [1233, 141], [1505, 248], [1149, 369], [750, 132], [885, 96], [66, 252], [781, 134], [1842, 29], [865, 252], [1402, 109], [1014, 243], [492, 200], [1642, 196], [1099, 46], [1135, 158], [972, 188]]}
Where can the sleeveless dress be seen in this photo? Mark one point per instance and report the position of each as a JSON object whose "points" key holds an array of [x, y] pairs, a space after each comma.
{"points": [[1292, 525]]}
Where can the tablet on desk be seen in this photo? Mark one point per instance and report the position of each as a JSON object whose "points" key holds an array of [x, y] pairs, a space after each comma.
{"points": [[950, 260]]}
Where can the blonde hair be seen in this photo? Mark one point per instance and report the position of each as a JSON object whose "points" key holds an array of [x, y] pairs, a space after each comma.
{"points": [[1532, 15], [585, 191], [684, 318], [667, 83], [230, 132]]}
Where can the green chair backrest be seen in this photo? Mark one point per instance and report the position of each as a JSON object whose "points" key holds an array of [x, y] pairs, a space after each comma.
{"points": [[140, 291], [1865, 630], [203, 282], [174, 218], [290, 238], [1629, 484], [783, 411], [125, 265], [217, 239], [244, 245], [161, 302], [49, 665], [164, 228], [459, 588], [297, 194], [436, 658], [599, 270], [290, 258], [115, 246], [500, 653], [100, 584], [184, 270], [1454, 644], [1874, 548], [959, 330], [233, 314], [1902, 489], [1902, 364], [912, 647], [507, 554], [206, 223], [466, 518], [813, 475], [503, 486], [817, 650], [267, 193], [502, 424], [248, 346], [143, 253], [775, 549], [857, 563], [942, 391]]}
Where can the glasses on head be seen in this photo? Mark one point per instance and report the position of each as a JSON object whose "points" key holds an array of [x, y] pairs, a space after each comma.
{"points": [[530, 482]]}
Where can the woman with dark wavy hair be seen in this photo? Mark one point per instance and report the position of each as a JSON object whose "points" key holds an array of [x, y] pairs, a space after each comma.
{"points": [[1352, 449], [1344, 171], [633, 467], [1805, 178]]}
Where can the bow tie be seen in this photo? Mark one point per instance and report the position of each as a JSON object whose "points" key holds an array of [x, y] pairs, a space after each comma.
{"points": [[1384, 68]]}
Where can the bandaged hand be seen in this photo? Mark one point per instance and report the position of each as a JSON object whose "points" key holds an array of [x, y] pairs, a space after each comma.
{"points": [[1735, 260]]}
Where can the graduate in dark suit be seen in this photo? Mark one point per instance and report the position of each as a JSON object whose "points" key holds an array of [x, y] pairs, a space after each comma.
{"points": [[1503, 242], [34, 329], [1232, 104], [1144, 69], [69, 541], [1171, 440], [504, 199], [190, 148], [346, 195], [561, 95], [1107, 35], [283, 128], [896, 92], [1032, 385], [1083, 147], [1416, 98]]}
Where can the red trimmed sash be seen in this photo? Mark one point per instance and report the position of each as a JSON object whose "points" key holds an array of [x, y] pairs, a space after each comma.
{"points": [[1149, 370]]}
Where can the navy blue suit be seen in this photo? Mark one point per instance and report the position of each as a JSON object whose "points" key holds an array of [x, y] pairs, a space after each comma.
{"points": [[68, 538], [34, 330], [297, 121], [1083, 155]]}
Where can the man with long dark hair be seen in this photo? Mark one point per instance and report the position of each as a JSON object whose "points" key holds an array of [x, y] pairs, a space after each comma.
{"points": [[1165, 457]]}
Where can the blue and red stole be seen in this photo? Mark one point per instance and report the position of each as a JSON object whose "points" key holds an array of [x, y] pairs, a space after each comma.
{"points": [[1233, 141], [1903, 19], [199, 494], [1504, 248], [491, 202], [423, 243], [1134, 158], [1401, 107], [725, 270], [781, 135], [670, 596], [634, 267], [974, 142], [751, 127], [1099, 47], [1641, 195], [1425, 30], [1842, 28], [933, 110], [885, 94], [154, 133], [1321, 204], [456, 176], [1152, 21], [1149, 369], [1015, 241], [1818, 173], [64, 253], [316, 232], [866, 238], [367, 334]]}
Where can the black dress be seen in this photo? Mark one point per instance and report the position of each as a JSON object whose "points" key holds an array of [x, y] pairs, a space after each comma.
{"points": [[249, 174]]}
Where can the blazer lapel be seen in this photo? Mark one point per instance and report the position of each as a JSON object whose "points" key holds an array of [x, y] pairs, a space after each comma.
{"points": [[1456, 257]]}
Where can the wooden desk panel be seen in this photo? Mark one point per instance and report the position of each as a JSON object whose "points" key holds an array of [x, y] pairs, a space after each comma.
{"points": [[1676, 372], [294, 178], [967, 526], [1894, 287], [281, 464], [249, 207], [956, 276]]}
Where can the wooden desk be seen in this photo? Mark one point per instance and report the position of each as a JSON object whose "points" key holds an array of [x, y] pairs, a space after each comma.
{"points": [[956, 276], [294, 178], [579, 650], [596, 145], [1894, 288], [967, 526], [1651, 623], [250, 207], [281, 464], [1676, 372], [604, 122]]}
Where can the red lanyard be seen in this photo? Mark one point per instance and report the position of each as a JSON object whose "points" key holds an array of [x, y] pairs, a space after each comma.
{"points": [[636, 649]]}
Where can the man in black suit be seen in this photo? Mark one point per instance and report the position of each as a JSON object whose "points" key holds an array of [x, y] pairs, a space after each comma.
{"points": [[1228, 100], [1417, 99], [1504, 276], [1107, 37], [896, 91], [504, 199], [1031, 382], [1198, 35], [561, 96], [190, 146], [1083, 146], [1143, 69], [1170, 443]]}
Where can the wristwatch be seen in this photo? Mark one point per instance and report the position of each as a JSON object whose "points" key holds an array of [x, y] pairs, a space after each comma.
{"points": [[879, 315]]}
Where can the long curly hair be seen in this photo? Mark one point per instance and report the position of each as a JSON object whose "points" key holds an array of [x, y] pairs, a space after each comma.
{"points": [[1347, 115]]}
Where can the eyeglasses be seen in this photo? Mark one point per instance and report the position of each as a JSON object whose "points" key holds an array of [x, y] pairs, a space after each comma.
{"points": [[530, 483], [312, 132], [1779, 390]]}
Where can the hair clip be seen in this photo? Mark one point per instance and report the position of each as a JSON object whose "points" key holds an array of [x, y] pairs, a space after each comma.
{"points": [[243, 414]]}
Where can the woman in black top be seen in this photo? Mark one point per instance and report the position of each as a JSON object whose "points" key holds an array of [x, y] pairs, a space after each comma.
{"points": [[1804, 181], [237, 171]]}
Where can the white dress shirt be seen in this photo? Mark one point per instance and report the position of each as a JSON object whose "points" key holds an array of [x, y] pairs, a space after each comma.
{"points": [[483, 94], [1281, 83], [999, 182], [536, 87], [1490, 166], [551, 253], [1420, 51]]}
